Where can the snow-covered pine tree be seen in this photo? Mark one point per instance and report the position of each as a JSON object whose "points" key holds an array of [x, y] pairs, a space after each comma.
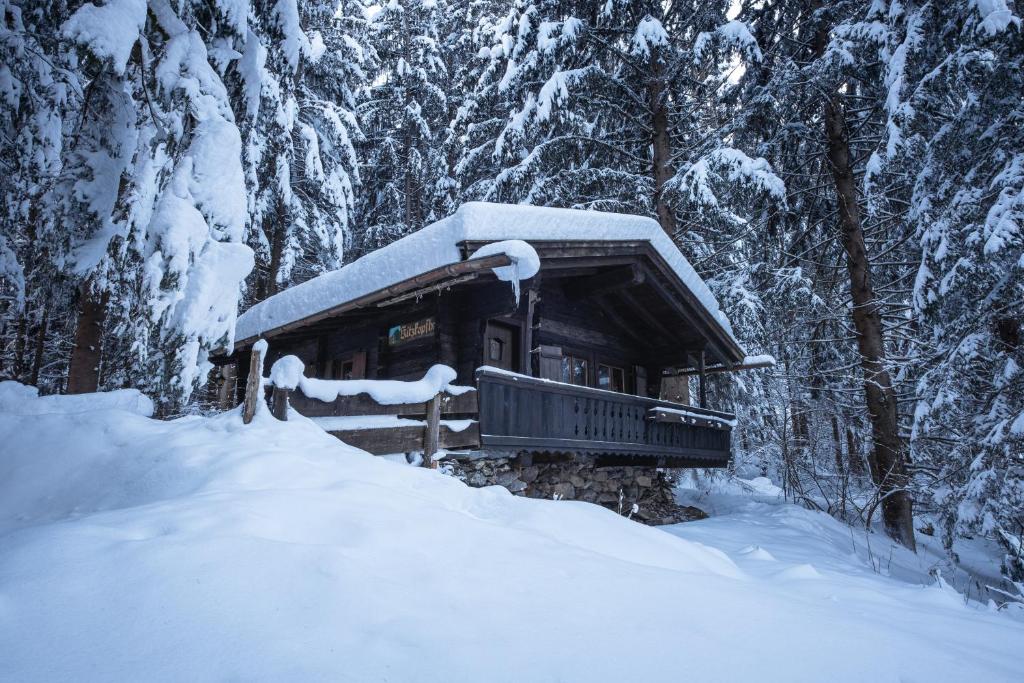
{"points": [[38, 93], [814, 107], [460, 46], [955, 75], [301, 67], [600, 107], [405, 113], [152, 199]]}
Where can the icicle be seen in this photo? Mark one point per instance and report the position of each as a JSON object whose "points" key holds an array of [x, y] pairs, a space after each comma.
{"points": [[525, 262], [515, 280]]}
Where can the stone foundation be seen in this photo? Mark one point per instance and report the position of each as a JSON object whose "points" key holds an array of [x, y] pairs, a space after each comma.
{"points": [[616, 488]]}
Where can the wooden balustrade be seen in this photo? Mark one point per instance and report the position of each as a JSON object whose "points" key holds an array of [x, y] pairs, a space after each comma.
{"points": [[513, 414], [413, 427], [529, 414]]}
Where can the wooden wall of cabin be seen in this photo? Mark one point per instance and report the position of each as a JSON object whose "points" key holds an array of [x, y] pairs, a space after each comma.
{"points": [[399, 343], [579, 327], [478, 304], [456, 320]]}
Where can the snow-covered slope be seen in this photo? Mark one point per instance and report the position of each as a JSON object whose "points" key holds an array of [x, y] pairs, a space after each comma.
{"points": [[202, 549]]}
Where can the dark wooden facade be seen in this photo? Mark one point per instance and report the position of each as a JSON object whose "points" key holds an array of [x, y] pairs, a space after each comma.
{"points": [[598, 316]]}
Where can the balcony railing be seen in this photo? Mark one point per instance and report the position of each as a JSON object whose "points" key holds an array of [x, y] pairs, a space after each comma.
{"points": [[520, 413]]}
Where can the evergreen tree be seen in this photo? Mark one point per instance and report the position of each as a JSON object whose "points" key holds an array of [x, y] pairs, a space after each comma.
{"points": [[152, 198], [299, 75], [954, 109], [405, 114], [39, 90], [606, 108]]}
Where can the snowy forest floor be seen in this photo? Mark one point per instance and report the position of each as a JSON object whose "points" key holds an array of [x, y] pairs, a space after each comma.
{"points": [[202, 549], [750, 520]]}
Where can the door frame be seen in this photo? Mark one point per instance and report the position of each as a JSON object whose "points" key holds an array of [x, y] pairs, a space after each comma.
{"points": [[515, 328]]}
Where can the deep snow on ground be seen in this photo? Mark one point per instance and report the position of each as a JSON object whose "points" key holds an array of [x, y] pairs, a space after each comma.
{"points": [[203, 549], [749, 514]]}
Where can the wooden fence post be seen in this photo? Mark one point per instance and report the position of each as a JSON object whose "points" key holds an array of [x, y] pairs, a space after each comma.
{"points": [[253, 384], [431, 438], [226, 390], [280, 401]]}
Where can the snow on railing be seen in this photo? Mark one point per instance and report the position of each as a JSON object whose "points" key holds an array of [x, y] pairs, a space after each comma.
{"points": [[438, 379], [288, 375]]}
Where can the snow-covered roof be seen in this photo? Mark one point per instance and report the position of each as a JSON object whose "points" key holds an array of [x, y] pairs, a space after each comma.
{"points": [[437, 245]]}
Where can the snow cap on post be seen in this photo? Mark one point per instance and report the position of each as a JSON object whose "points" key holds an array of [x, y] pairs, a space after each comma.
{"points": [[287, 372], [438, 377]]}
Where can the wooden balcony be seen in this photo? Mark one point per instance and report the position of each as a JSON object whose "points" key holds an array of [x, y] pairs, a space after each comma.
{"points": [[511, 414], [520, 413]]}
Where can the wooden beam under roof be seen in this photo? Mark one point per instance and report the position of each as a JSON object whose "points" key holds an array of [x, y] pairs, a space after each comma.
{"points": [[624, 277], [608, 310], [697, 316], [684, 372], [562, 254], [640, 310]]}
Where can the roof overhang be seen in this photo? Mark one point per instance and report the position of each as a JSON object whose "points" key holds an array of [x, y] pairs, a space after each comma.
{"points": [[424, 283], [573, 255]]}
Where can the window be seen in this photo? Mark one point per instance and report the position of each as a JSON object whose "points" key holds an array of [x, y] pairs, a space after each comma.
{"points": [[346, 369], [611, 378], [497, 349], [574, 370], [349, 366]]}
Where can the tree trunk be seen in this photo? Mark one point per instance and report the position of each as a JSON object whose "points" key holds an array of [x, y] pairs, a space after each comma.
{"points": [[856, 463], [84, 368], [20, 346], [837, 446], [661, 143], [888, 461], [37, 360], [411, 209], [276, 250]]}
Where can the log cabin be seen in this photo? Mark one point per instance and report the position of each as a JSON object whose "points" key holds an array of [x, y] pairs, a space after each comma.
{"points": [[565, 322]]}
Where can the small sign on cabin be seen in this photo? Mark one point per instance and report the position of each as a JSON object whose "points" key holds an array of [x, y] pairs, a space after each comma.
{"points": [[400, 334]]}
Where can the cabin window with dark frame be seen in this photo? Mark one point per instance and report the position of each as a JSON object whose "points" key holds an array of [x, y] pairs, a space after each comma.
{"points": [[345, 369], [611, 378], [496, 350], [575, 370], [349, 366]]}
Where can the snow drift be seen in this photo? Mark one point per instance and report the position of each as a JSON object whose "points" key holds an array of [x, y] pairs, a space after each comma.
{"points": [[203, 549]]}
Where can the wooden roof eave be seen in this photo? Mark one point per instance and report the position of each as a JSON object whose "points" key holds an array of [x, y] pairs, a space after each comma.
{"points": [[432, 279], [574, 253], [719, 342]]}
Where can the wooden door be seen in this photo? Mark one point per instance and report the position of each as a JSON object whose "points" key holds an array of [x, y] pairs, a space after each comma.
{"points": [[550, 365], [500, 346]]}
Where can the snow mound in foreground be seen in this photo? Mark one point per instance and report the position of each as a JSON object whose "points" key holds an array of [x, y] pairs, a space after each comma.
{"points": [[203, 549], [19, 399]]}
